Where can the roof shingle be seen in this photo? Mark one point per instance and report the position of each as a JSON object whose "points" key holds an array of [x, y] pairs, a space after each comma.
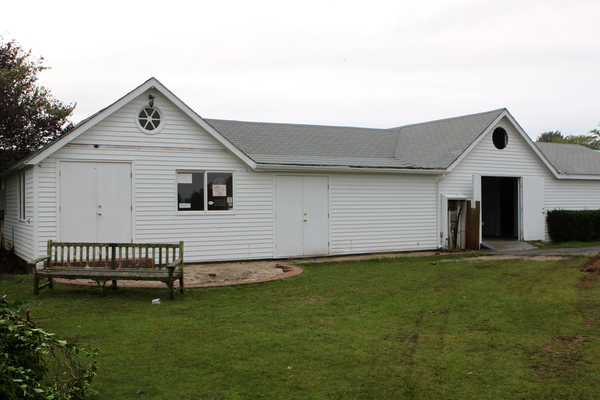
{"points": [[571, 159]]}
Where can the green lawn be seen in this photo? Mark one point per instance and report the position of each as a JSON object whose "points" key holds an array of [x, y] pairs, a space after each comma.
{"points": [[380, 329]]}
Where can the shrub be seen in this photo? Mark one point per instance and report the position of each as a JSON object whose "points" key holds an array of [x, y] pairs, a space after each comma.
{"points": [[36, 364], [568, 225]]}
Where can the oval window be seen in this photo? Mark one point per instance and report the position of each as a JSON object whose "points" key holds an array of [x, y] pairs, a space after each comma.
{"points": [[150, 120], [500, 138]]}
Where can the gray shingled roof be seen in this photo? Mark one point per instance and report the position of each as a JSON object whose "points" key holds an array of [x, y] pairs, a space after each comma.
{"points": [[571, 159], [430, 145], [437, 144]]}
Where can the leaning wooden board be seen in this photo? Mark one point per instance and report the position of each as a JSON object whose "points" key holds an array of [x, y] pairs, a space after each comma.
{"points": [[104, 262]]}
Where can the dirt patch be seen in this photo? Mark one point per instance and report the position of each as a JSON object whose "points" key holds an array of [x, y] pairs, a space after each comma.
{"points": [[590, 280], [593, 265], [230, 272], [218, 274]]}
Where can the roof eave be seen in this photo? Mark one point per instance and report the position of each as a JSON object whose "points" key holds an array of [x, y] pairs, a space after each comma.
{"points": [[347, 168], [585, 177]]}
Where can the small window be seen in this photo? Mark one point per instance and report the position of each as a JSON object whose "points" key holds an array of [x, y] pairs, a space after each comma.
{"points": [[190, 191], [204, 191], [22, 195], [220, 190], [500, 138], [150, 120]]}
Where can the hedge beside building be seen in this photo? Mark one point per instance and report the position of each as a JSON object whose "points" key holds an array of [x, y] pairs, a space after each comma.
{"points": [[568, 225]]}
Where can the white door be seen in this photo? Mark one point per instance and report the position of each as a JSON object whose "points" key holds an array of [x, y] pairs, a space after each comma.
{"points": [[301, 212], [78, 202], [533, 214], [95, 202], [288, 214], [316, 212]]}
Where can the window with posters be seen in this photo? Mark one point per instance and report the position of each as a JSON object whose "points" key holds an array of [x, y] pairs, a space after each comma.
{"points": [[204, 191]]}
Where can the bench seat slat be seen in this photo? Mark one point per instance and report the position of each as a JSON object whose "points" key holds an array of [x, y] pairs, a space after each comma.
{"points": [[109, 274]]}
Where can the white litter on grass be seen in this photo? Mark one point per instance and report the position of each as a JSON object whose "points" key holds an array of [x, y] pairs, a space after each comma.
{"points": [[156, 301]]}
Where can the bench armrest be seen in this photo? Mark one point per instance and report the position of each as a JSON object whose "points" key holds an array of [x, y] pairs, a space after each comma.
{"points": [[34, 262], [178, 262]]}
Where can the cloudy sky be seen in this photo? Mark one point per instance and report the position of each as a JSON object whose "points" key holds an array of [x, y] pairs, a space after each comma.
{"points": [[369, 63]]}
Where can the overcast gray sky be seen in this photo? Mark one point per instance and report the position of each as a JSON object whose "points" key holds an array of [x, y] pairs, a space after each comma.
{"points": [[369, 63]]}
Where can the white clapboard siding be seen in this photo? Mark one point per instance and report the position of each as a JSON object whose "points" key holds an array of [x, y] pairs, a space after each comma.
{"points": [[246, 233], [17, 233], [515, 160], [572, 194], [381, 212]]}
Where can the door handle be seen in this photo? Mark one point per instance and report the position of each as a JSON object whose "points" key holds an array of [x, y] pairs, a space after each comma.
{"points": [[99, 213], [305, 220]]}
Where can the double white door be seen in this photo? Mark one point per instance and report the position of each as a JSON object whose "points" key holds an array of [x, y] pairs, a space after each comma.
{"points": [[302, 215], [95, 202]]}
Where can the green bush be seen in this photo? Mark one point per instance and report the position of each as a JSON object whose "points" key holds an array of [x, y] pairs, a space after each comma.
{"points": [[36, 364], [568, 225]]}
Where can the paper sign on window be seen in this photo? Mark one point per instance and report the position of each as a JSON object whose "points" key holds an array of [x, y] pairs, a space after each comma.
{"points": [[219, 190], [184, 178]]}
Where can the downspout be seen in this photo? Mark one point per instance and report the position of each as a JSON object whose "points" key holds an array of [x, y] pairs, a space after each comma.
{"points": [[439, 233]]}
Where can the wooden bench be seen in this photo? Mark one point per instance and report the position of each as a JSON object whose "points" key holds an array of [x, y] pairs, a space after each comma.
{"points": [[103, 262]]}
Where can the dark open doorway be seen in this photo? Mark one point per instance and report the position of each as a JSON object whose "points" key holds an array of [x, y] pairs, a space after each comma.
{"points": [[500, 205]]}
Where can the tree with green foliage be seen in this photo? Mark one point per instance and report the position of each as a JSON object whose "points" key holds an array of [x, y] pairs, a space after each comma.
{"points": [[548, 137], [30, 116], [593, 142], [36, 364]]}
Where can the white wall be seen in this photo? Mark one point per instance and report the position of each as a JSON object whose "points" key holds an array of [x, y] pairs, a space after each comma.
{"points": [[572, 194], [369, 212], [181, 145], [20, 233], [383, 212]]}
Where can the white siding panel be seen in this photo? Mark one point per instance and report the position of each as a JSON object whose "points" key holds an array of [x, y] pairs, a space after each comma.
{"points": [[515, 160], [47, 204], [378, 213], [19, 233], [572, 195]]}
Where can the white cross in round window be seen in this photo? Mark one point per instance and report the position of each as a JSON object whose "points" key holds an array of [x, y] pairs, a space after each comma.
{"points": [[149, 118]]}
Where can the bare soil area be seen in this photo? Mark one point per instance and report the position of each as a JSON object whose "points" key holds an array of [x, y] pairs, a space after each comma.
{"points": [[593, 265]]}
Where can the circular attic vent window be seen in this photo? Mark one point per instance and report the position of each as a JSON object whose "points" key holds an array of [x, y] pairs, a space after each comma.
{"points": [[500, 138], [150, 120]]}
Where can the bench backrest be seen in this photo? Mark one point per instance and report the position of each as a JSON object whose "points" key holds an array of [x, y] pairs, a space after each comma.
{"points": [[113, 255]]}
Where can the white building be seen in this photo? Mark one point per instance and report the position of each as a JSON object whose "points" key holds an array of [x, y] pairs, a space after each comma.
{"points": [[136, 172]]}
